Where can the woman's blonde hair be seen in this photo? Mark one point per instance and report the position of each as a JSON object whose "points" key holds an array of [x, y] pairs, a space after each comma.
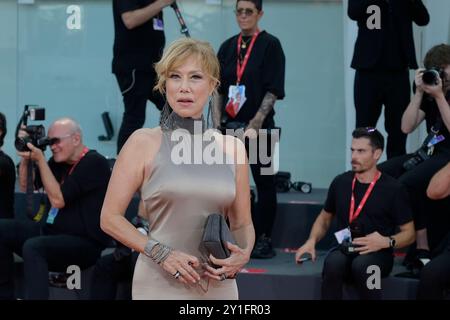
{"points": [[181, 50]]}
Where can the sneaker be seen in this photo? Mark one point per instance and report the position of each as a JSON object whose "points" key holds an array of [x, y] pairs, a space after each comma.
{"points": [[263, 248]]}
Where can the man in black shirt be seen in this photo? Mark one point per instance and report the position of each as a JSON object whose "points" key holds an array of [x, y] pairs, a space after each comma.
{"points": [[382, 58], [7, 176], [75, 181], [368, 206], [258, 72], [138, 44]]}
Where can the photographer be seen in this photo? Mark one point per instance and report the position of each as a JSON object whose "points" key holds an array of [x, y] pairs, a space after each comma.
{"points": [[75, 180], [7, 176], [430, 103], [368, 206]]}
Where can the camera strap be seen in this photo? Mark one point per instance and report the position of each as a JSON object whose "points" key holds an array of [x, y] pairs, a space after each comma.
{"points": [[431, 139], [30, 190], [354, 214]]}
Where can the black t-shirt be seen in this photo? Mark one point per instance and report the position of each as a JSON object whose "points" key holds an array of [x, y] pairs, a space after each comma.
{"points": [[7, 184], [140, 47], [387, 207], [432, 114], [265, 72], [83, 192]]}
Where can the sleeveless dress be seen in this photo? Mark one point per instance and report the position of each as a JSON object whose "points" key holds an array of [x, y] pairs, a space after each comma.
{"points": [[178, 198]]}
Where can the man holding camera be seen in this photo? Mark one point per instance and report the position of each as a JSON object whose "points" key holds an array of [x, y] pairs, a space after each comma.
{"points": [[75, 181], [383, 55], [368, 206], [430, 103], [7, 176]]}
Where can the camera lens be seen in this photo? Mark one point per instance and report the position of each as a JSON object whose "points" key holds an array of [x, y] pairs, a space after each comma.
{"points": [[430, 77], [304, 187], [21, 144]]}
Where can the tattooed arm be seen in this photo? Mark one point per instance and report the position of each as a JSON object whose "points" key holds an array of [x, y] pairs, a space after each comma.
{"points": [[265, 108]]}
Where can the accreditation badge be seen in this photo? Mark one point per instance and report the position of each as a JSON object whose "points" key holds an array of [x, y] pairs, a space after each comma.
{"points": [[236, 99], [158, 24]]}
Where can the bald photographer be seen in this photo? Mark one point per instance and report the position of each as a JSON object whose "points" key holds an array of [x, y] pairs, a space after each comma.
{"points": [[75, 181]]}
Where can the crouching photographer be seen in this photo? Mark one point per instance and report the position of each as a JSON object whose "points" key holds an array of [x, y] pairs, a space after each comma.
{"points": [[75, 181], [430, 103]]}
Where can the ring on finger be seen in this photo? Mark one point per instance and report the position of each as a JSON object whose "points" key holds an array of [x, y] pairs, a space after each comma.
{"points": [[223, 276], [177, 274]]}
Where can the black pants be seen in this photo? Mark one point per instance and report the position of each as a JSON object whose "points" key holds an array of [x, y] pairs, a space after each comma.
{"points": [[435, 278], [372, 90], [108, 272], [339, 267], [41, 254], [266, 206], [136, 88], [416, 181]]}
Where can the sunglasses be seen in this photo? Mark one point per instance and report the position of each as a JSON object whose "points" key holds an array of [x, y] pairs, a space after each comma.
{"points": [[244, 11], [56, 140]]}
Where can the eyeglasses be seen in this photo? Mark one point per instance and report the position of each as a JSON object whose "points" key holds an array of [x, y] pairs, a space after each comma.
{"points": [[246, 11], [55, 140]]}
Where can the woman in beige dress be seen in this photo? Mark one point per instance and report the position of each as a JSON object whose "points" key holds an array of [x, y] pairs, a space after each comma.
{"points": [[180, 187]]}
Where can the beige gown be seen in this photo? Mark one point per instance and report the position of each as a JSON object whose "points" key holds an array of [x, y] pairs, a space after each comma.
{"points": [[178, 198]]}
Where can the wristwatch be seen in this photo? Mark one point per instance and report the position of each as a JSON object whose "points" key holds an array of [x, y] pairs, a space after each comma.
{"points": [[392, 242]]}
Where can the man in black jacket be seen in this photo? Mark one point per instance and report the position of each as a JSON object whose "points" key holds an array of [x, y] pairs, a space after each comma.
{"points": [[382, 58]]}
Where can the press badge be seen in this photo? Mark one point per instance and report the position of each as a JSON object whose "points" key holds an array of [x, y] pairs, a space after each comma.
{"points": [[237, 94], [52, 215], [435, 140], [342, 235], [158, 24]]}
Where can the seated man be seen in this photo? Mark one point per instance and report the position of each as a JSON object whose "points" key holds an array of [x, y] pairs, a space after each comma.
{"points": [[75, 181], [7, 176], [435, 275], [368, 207]]}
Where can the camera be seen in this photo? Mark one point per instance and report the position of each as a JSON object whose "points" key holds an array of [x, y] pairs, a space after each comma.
{"points": [[418, 157], [431, 76], [356, 231], [283, 183], [36, 133]]}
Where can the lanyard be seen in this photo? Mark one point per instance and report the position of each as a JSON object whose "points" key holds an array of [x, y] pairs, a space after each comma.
{"points": [[85, 150], [354, 214], [240, 68]]}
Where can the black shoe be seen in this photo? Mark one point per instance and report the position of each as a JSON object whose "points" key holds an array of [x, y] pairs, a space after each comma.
{"points": [[418, 260], [263, 249]]}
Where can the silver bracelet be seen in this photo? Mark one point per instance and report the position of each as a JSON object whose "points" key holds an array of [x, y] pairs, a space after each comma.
{"points": [[151, 244]]}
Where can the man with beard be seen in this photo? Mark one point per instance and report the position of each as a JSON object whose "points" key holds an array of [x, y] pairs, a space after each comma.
{"points": [[368, 207]]}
